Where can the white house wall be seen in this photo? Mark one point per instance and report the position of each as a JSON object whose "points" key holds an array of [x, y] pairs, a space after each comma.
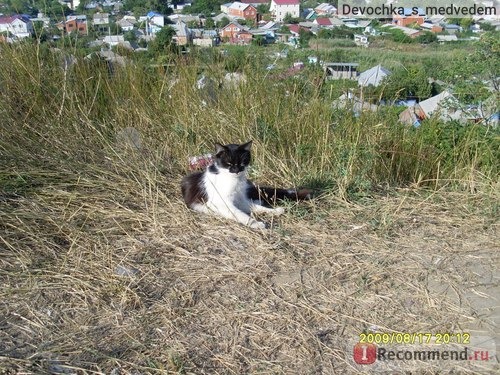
{"points": [[280, 11]]}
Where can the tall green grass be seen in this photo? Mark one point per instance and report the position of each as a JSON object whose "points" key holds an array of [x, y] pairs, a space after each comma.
{"points": [[65, 119]]}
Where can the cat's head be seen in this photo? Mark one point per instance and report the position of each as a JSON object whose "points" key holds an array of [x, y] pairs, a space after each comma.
{"points": [[233, 158]]}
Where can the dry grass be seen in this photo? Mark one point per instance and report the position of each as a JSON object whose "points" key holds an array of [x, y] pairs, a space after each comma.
{"points": [[103, 269], [119, 277]]}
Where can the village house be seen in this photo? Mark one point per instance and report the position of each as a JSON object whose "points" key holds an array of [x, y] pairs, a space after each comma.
{"points": [[114, 40], [311, 26], [255, 3], [224, 8], [293, 37], [447, 38], [412, 33], [19, 26], [101, 21], [235, 33], [409, 18], [324, 23], [186, 18], [269, 25], [432, 27], [74, 24], [230, 30], [444, 105], [341, 70], [447, 107], [125, 24], [361, 40], [43, 19], [92, 5], [183, 35], [355, 23], [325, 9], [373, 76], [452, 28], [243, 37], [351, 102], [208, 38], [240, 10], [72, 4], [280, 8], [155, 22]]}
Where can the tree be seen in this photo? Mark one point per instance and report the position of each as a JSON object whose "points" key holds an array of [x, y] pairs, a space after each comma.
{"points": [[486, 59], [471, 91], [466, 23], [406, 83], [324, 34], [284, 29], [304, 38], [140, 7], [50, 7], [161, 6], [206, 7], [209, 23], [139, 11], [223, 22], [163, 41], [130, 36], [259, 40], [17, 6], [81, 7], [311, 4], [263, 8], [288, 18], [427, 37], [343, 32], [486, 26], [400, 37]]}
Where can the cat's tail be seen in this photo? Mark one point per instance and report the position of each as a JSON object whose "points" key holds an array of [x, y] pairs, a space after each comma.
{"points": [[270, 195]]}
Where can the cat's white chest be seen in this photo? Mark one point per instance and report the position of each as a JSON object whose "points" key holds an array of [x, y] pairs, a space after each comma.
{"points": [[225, 187]]}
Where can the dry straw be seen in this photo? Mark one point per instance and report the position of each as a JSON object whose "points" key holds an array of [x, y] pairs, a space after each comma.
{"points": [[104, 271]]}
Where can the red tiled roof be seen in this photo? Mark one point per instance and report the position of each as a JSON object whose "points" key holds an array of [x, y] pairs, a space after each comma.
{"points": [[9, 19], [233, 24], [6, 19], [323, 21], [287, 2], [294, 28]]}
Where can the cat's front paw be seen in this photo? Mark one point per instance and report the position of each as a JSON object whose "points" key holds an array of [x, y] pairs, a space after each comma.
{"points": [[256, 224]]}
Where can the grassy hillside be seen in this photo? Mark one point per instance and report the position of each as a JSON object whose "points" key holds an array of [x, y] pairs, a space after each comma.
{"points": [[103, 269]]}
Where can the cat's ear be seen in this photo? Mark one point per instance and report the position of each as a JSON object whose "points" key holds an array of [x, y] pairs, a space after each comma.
{"points": [[246, 146], [219, 148]]}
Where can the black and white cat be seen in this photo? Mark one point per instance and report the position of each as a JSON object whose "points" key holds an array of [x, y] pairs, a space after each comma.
{"points": [[224, 190]]}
